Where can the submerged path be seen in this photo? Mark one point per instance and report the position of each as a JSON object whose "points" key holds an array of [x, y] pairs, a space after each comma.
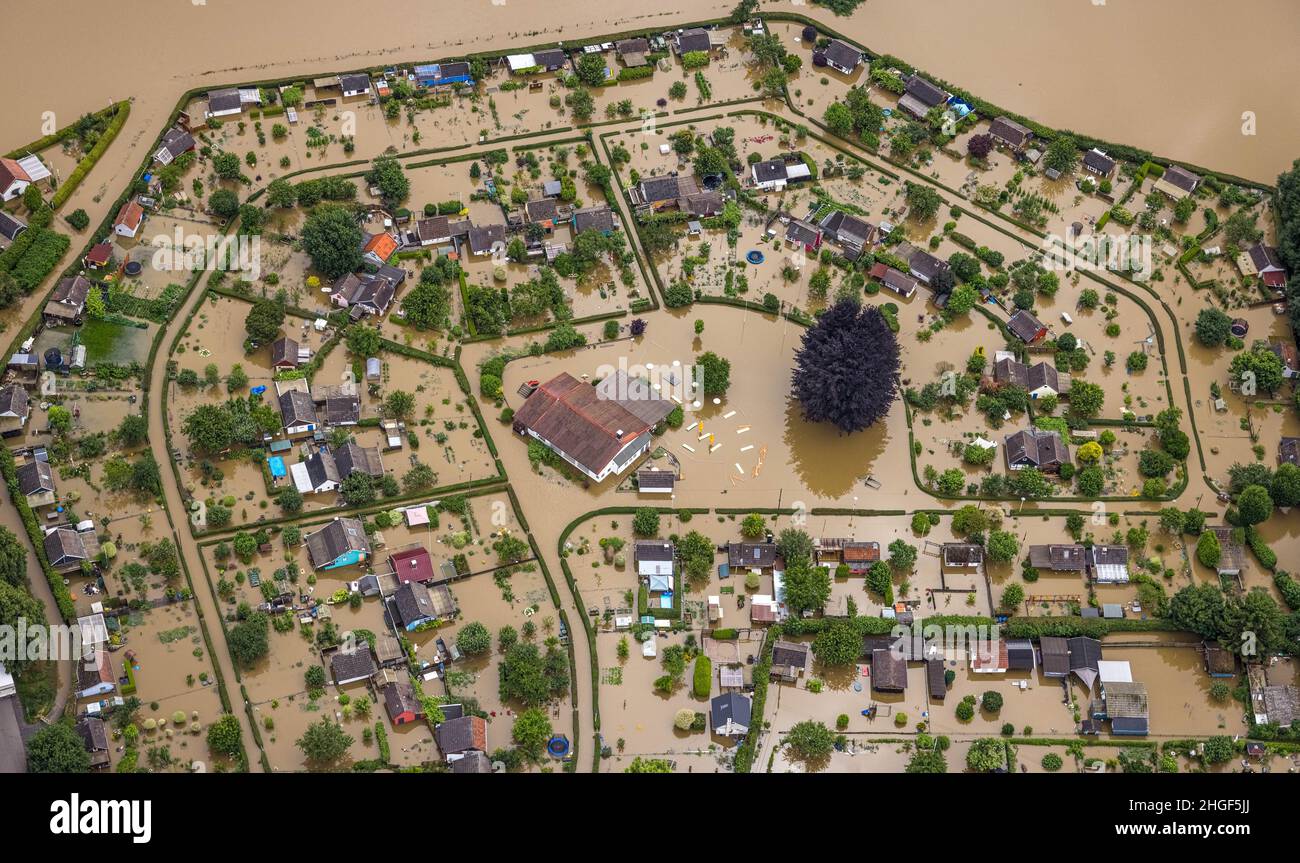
{"points": [[186, 545]]}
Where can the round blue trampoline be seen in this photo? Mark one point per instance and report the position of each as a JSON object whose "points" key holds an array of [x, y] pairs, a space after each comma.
{"points": [[754, 256], [558, 746]]}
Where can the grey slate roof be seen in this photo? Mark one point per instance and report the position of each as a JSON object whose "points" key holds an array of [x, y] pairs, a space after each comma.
{"points": [[842, 54], [297, 408], [334, 539], [413, 603], [356, 664], [730, 707]]}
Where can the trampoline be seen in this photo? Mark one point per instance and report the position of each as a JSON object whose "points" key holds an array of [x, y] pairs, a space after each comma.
{"points": [[754, 256], [558, 746], [276, 464], [133, 268]]}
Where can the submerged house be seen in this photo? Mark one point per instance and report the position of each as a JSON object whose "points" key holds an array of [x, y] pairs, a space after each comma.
{"points": [[340, 543], [852, 234], [601, 430], [1125, 705], [803, 235], [352, 666], [297, 412], [458, 737], [68, 547], [1097, 162], [664, 192], [1026, 327], [176, 142], [633, 51], [286, 354], [368, 293], [729, 713], [1177, 182], [599, 218], [1040, 380], [414, 604], [920, 95], [859, 556], [1036, 448], [775, 174], [653, 557], [401, 703], [896, 280], [840, 56], [443, 74], [1108, 564], [1232, 557], [1262, 260], [888, 670], [412, 564], [94, 737], [751, 555], [231, 100], [36, 483], [692, 40], [962, 555], [15, 408], [1010, 134], [790, 660], [68, 301], [1058, 558]]}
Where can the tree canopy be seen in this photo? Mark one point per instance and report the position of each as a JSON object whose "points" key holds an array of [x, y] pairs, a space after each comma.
{"points": [[846, 371]]}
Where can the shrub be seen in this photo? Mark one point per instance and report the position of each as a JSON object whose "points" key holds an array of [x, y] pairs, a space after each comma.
{"points": [[1052, 762], [703, 676]]}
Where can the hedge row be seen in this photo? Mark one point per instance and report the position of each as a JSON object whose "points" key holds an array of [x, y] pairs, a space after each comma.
{"points": [[67, 608], [122, 111]]}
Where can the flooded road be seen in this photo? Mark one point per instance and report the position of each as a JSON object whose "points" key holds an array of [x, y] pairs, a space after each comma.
{"points": [[1106, 78]]}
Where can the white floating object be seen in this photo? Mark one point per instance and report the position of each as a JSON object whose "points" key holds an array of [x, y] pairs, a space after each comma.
{"points": [[742, 430], [695, 405], [675, 398], [728, 415], [649, 365], [703, 436], [747, 448], [677, 362], [739, 468], [717, 401], [688, 447], [715, 447]]}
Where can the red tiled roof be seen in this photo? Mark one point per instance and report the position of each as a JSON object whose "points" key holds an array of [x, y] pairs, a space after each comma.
{"points": [[382, 245], [99, 254], [413, 564], [131, 215], [10, 171], [572, 416]]}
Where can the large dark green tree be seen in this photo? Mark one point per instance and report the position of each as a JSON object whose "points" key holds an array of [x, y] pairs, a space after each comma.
{"points": [[846, 371], [57, 748], [332, 238]]}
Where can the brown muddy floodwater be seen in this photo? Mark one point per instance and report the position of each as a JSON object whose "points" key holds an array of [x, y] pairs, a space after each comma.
{"points": [[1096, 67]]}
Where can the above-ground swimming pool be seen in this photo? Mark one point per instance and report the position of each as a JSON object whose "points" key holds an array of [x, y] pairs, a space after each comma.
{"points": [[558, 746], [754, 256]]}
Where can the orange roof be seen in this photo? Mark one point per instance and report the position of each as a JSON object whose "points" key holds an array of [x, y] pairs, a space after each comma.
{"points": [[131, 215], [10, 171], [382, 245]]}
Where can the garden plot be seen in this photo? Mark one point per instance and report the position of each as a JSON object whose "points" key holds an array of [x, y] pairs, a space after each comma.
{"points": [[764, 444]]}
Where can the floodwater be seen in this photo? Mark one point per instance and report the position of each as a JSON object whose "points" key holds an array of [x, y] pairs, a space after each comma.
{"points": [[1086, 66]]}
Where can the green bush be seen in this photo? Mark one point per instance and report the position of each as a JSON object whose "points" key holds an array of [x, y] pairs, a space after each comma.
{"points": [[703, 676]]}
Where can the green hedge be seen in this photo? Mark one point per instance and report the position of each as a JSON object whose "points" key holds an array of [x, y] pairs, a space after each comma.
{"points": [[703, 676], [121, 112]]}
